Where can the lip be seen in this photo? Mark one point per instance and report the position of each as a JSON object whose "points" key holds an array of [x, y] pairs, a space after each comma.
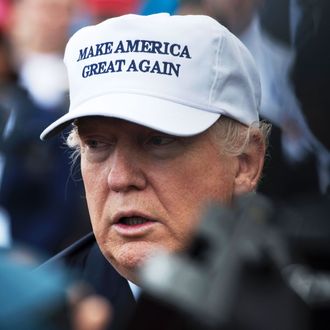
{"points": [[133, 230], [127, 214]]}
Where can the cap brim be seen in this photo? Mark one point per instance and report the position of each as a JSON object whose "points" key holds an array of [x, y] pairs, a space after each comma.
{"points": [[153, 112]]}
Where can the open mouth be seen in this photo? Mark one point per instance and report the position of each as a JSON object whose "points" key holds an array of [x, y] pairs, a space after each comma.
{"points": [[133, 221]]}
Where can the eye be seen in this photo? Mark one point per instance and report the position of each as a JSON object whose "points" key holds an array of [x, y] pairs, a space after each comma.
{"points": [[95, 149], [160, 140], [94, 144]]}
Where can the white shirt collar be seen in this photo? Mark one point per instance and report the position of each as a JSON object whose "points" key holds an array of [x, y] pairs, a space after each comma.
{"points": [[135, 290]]}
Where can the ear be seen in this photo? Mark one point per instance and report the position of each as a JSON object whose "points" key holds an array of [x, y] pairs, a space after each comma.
{"points": [[250, 166]]}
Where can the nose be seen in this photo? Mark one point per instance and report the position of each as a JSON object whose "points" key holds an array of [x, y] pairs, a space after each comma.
{"points": [[126, 172]]}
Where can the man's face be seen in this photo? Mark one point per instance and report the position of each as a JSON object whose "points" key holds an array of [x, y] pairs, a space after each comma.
{"points": [[145, 189], [42, 25]]}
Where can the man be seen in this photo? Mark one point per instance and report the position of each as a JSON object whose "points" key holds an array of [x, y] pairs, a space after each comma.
{"points": [[165, 113]]}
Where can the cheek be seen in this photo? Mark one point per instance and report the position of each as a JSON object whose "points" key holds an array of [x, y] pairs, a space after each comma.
{"points": [[95, 184], [186, 193], [201, 182]]}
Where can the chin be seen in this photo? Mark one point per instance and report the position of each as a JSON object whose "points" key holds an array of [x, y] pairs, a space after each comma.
{"points": [[130, 256]]}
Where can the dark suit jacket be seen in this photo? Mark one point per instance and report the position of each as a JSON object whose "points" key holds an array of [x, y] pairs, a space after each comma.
{"points": [[88, 264]]}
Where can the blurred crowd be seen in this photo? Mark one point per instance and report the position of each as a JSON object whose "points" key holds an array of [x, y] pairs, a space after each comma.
{"points": [[40, 206]]}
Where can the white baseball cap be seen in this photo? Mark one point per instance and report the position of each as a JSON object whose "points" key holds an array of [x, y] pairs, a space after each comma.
{"points": [[175, 74]]}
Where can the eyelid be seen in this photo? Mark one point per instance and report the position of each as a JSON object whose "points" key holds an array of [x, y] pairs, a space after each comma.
{"points": [[168, 139], [101, 141], [93, 136], [89, 142]]}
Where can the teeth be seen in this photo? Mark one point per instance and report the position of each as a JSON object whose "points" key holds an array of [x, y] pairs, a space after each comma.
{"points": [[131, 221]]}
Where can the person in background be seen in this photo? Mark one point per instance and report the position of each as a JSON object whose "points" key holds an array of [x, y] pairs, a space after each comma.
{"points": [[295, 150], [163, 121], [39, 31], [36, 185], [311, 71]]}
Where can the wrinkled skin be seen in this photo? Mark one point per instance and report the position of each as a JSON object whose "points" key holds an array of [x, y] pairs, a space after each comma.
{"points": [[157, 182]]}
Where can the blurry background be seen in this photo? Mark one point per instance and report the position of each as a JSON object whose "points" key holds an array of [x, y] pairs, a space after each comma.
{"points": [[41, 194]]}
